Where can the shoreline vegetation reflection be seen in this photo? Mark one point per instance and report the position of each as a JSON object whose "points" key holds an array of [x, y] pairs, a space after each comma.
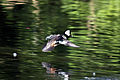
{"points": [[24, 25]]}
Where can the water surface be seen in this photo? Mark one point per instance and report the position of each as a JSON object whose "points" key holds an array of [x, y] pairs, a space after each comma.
{"points": [[25, 24]]}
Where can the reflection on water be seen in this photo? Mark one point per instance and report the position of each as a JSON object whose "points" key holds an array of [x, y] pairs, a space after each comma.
{"points": [[24, 25], [51, 70]]}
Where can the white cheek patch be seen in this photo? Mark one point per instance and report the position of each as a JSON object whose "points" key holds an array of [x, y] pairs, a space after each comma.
{"points": [[67, 32]]}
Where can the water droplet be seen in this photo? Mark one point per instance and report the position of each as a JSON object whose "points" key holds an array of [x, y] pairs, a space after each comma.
{"points": [[14, 54], [94, 73]]}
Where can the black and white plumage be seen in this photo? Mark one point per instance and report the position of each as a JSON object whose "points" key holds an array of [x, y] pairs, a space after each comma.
{"points": [[55, 40]]}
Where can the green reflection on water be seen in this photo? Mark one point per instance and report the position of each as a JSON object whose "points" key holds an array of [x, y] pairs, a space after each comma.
{"points": [[97, 34]]}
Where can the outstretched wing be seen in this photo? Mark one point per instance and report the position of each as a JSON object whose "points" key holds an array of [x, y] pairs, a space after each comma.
{"points": [[49, 46], [68, 43], [51, 37]]}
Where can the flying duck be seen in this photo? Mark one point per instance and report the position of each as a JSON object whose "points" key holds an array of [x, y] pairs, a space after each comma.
{"points": [[57, 39]]}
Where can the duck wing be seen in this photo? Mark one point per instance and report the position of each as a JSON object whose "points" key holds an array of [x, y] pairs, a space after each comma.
{"points": [[68, 43], [51, 37], [50, 45]]}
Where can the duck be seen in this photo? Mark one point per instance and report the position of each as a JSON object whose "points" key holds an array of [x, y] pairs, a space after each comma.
{"points": [[58, 39]]}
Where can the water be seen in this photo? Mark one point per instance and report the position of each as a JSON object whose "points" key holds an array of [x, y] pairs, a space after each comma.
{"points": [[25, 24]]}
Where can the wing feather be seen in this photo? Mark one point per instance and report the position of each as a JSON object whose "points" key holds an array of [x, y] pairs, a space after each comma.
{"points": [[49, 46]]}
